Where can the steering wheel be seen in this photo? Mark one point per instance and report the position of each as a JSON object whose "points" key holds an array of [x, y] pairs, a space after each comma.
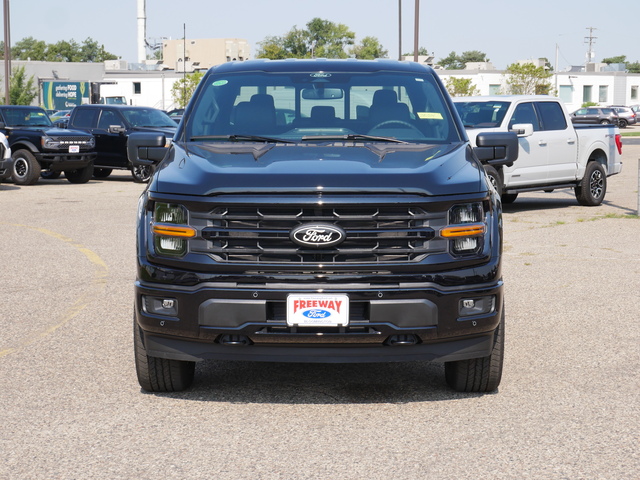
{"points": [[397, 122]]}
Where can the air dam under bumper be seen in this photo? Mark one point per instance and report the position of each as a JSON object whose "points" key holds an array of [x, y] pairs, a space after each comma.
{"points": [[421, 323]]}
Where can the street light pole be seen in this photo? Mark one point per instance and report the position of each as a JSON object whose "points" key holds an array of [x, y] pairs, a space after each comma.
{"points": [[7, 53], [416, 31], [399, 29]]}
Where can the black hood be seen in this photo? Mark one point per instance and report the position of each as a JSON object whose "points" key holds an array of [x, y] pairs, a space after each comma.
{"points": [[213, 169]]}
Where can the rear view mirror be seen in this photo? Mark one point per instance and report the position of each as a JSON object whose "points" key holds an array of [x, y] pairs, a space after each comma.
{"points": [[522, 129], [146, 148], [322, 93]]}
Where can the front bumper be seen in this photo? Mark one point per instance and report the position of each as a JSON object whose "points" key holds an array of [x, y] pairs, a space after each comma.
{"points": [[65, 161], [415, 322]]}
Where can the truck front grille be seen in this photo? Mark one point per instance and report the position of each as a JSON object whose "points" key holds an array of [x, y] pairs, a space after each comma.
{"points": [[373, 234]]}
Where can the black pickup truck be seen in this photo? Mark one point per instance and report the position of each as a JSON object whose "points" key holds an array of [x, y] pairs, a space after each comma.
{"points": [[38, 147], [320, 211]]}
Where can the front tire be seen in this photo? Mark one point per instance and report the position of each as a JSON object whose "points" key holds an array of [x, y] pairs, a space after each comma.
{"points": [[622, 123], [26, 169], [102, 172], [160, 374], [593, 186], [494, 177], [80, 175], [141, 173], [479, 374]]}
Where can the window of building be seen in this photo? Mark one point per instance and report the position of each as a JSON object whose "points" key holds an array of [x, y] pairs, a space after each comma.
{"points": [[566, 93], [137, 88], [634, 92], [586, 93], [603, 92], [494, 89]]}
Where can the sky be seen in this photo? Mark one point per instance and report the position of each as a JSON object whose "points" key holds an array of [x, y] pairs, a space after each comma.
{"points": [[506, 31]]}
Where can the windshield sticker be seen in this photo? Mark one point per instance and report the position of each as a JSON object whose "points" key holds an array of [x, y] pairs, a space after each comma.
{"points": [[219, 83], [430, 115], [419, 79]]}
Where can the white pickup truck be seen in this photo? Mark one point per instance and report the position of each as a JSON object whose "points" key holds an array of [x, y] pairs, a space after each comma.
{"points": [[553, 153]]}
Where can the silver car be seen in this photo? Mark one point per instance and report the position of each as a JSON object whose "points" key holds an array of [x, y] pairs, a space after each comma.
{"points": [[626, 115]]}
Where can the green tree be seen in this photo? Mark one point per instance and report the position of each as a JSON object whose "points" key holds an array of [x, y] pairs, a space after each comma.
{"points": [[91, 51], [321, 38], [369, 49], [63, 51], [22, 90], [527, 79], [618, 59], [459, 62], [421, 51], [633, 67], [461, 87], [183, 89], [28, 48]]}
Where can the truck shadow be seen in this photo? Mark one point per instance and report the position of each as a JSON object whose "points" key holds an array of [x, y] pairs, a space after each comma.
{"points": [[291, 383]]}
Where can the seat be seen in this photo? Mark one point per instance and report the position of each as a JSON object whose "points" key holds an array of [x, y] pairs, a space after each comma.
{"points": [[257, 116], [385, 107], [323, 116]]}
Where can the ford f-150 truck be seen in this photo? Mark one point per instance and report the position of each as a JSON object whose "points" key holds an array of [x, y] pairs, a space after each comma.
{"points": [[553, 154], [38, 147], [320, 211]]}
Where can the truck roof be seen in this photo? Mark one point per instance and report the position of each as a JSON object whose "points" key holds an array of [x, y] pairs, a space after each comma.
{"points": [[321, 64], [507, 98]]}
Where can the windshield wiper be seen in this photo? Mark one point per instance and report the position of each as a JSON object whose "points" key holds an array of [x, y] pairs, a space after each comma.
{"points": [[352, 136], [241, 138]]}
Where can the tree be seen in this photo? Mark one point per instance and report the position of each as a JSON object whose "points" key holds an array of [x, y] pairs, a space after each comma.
{"points": [[458, 62], [369, 49], [527, 79], [422, 51], [29, 48], [461, 87], [321, 38], [618, 59], [63, 51], [183, 89], [22, 91]]}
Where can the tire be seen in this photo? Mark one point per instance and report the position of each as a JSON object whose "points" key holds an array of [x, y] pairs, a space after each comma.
{"points": [[49, 175], [479, 374], [102, 172], [593, 186], [81, 175], [509, 198], [604, 122], [141, 173], [622, 123], [494, 177], [160, 374], [26, 169]]}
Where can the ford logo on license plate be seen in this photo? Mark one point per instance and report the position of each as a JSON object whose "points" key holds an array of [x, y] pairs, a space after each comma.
{"points": [[317, 235]]}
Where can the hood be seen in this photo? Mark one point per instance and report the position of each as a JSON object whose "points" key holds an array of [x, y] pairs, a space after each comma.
{"points": [[214, 169], [64, 132], [168, 131]]}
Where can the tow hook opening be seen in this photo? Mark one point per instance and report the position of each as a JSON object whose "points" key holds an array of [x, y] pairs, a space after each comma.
{"points": [[234, 340], [400, 340]]}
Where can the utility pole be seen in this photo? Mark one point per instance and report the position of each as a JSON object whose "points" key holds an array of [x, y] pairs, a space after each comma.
{"points": [[399, 29], [416, 31], [7, 52], [590, 40]]}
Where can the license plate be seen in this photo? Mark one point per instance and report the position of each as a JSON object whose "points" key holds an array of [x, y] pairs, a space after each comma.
{"points": [[74, 148], [317, 310]]}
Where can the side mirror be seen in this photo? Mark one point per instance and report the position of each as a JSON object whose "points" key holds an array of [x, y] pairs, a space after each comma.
{"points": [[146, 148], [117, 129], [522, 129], [497, 148]]}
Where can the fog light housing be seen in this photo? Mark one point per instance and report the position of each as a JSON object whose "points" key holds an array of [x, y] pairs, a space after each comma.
{"points": [[160, 305], [476, 306]]}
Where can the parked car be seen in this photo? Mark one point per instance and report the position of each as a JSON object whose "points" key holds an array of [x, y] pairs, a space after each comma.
{"points": [[6, 162], [626, 115], [111, 126], [176, 114], [595, 115], [59, 114]]}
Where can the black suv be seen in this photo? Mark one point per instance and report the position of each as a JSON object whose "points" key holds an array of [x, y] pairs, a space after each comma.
{"points": [[320, 211], [38, 147], [111, 126]]}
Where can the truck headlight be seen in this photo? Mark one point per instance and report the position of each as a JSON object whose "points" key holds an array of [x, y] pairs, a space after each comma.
{"points": [[466, 229], [50, 143], [170, 228]]}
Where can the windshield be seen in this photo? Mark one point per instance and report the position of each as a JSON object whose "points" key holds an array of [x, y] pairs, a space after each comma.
{"points": [[147, 117], [321, 106], [485, 114], [22, 117]]}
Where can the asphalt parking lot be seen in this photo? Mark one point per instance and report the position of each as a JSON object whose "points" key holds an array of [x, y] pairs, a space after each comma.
{"points": [[568, 406]]}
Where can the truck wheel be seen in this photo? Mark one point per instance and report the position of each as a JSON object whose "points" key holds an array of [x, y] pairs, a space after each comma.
{"points": [[160, 374], [81, 175], [593, 186], [509, 198], [26, 169], [622, 123], [494, 178], [478, 374], [102, 172], [141, 173]]}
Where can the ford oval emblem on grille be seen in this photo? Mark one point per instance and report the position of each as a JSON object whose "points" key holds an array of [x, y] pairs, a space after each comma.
{"points": [[317, 235]]}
